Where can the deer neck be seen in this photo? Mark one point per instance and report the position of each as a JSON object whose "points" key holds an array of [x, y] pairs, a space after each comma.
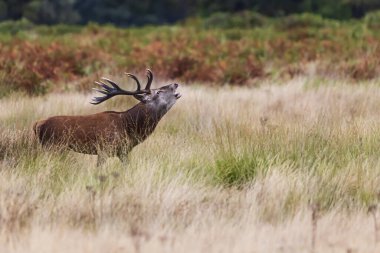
{"points": [[141, 120]]}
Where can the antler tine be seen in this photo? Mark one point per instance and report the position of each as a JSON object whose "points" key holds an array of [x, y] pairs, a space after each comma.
{"points": [[104, 86], [100, 91], [149, 74], [98, 100], [112, 83], [109, 91], [136, 80]]}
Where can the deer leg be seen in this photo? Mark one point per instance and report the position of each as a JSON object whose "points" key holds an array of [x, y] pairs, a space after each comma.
{"points": [[100, 160], [124, 159]]}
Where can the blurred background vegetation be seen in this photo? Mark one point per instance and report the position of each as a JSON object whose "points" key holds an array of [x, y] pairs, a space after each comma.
{"points": [[137, 12], [63, 45]]}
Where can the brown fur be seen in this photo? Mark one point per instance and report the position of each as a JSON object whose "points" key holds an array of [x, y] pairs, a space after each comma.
{"points": [[111, 132]]}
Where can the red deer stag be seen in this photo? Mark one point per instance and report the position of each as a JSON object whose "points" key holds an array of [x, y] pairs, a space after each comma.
{"points": [[110, 133]]}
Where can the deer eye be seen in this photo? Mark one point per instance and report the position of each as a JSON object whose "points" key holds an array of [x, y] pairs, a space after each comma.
{"points": [[158, 92]]}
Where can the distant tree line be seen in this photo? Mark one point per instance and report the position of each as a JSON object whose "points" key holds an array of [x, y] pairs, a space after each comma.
{"points": [[140, 12]]}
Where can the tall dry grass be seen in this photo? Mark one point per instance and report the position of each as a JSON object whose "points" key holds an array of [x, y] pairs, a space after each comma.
{"points": [[227, 170]]}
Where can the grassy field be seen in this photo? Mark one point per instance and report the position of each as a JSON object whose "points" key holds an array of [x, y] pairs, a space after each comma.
{"points": [[284, 167]]}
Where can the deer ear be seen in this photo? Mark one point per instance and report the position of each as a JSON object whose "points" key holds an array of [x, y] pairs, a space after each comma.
{"points": [[142, 98]]}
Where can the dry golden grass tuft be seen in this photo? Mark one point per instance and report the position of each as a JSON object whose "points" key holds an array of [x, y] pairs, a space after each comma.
{"points": [[227, 170]]}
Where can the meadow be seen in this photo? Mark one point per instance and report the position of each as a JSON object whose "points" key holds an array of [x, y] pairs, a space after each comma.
{"points": [[284, 167], [273, 146]]}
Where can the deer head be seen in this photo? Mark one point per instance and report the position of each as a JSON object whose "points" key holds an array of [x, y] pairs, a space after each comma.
{"points": [[160, 99]]}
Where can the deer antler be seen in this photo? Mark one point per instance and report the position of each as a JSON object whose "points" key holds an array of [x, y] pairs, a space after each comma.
{"points": [[149, 74], [109, 91]]}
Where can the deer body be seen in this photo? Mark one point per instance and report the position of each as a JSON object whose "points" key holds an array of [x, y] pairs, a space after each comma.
{"points": [[109, 133]]}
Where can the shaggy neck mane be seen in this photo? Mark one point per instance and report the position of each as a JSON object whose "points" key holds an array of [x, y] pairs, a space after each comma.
{"points": [[141, 120]]}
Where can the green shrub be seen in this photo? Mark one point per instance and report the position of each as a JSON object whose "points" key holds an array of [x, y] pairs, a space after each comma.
{"points": [[245, 19], [232, 169], [13, 27], [304, 20], [57, 30], [372, 20]]}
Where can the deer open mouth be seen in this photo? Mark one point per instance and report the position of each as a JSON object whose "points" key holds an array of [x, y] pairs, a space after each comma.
{"points": [[177, 94]]}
